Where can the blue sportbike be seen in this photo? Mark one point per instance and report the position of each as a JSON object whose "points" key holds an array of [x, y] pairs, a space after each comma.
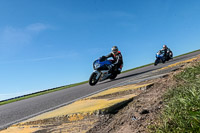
{"points": [[159, 58], [102, 71]]}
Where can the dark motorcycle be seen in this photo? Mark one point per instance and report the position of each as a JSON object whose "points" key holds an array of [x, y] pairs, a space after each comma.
{"points": [[160, 58], [169, 55]]}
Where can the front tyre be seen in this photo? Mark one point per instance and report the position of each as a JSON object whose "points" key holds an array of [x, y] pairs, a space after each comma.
{"points": [[93, 79], [156, 62]]}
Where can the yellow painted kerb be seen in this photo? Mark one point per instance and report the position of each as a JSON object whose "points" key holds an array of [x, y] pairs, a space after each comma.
{"points": [[178, 63], [88, 106], [118, 89], [84, 107]]}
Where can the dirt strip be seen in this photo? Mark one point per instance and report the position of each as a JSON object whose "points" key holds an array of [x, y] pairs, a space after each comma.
{"points": [[144, 110]]}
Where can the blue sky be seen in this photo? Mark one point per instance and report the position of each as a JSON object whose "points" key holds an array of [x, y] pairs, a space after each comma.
{"points": [[50, 43]]}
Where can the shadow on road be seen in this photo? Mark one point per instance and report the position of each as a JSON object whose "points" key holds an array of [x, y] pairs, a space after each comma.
{"points": [[127, 76]]}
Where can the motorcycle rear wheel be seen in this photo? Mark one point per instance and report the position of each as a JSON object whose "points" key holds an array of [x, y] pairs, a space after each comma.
{"points": [[113, 76]]}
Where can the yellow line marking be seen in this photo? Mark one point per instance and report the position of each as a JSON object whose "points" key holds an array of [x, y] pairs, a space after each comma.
{"points": [[79, 109], [118, 89], [24, 129], [178, 63]]}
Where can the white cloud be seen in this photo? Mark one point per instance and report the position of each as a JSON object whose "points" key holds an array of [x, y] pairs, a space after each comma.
{"points": [[32, 60], [13, 39], [13, 36], [37, 27], [69, 55]]}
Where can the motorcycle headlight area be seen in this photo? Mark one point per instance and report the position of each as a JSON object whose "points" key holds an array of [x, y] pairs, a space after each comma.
{"points": [[96, 65]]}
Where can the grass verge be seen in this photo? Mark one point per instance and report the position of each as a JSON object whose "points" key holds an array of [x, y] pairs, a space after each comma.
{"points": [[187, 53], [182, 104], [39, 93]]}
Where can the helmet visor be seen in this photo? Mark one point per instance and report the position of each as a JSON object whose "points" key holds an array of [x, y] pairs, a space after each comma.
{"points": [[114, 50]]}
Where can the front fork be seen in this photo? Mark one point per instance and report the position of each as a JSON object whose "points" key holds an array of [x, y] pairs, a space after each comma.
{"points": [[98, 74]]}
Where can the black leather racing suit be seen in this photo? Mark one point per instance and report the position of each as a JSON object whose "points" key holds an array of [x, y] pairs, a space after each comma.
{"points": [[117, 61], [166, 53]]}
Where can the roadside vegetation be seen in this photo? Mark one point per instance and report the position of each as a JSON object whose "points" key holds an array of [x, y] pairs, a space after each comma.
{"points": [[181, 113], [39, 93], [187, 53]]}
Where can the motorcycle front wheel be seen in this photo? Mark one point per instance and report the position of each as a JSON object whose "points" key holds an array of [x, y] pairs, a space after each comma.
{"points": [[93, 79], [156, 62]]}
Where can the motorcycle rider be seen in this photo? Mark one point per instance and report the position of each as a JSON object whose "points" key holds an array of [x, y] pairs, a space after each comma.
{"points": [[117, 60], [167, 52]]}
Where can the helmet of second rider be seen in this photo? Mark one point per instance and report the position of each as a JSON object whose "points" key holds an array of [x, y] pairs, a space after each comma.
{"points": [[164, 46]]}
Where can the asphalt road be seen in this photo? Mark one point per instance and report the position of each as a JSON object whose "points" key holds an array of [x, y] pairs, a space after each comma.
{"points": [[21, 110]]}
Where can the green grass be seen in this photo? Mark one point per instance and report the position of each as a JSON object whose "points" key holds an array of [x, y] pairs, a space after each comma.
{"points": [[40, 93], [182, 104], [187, 53], [67, 86]]}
